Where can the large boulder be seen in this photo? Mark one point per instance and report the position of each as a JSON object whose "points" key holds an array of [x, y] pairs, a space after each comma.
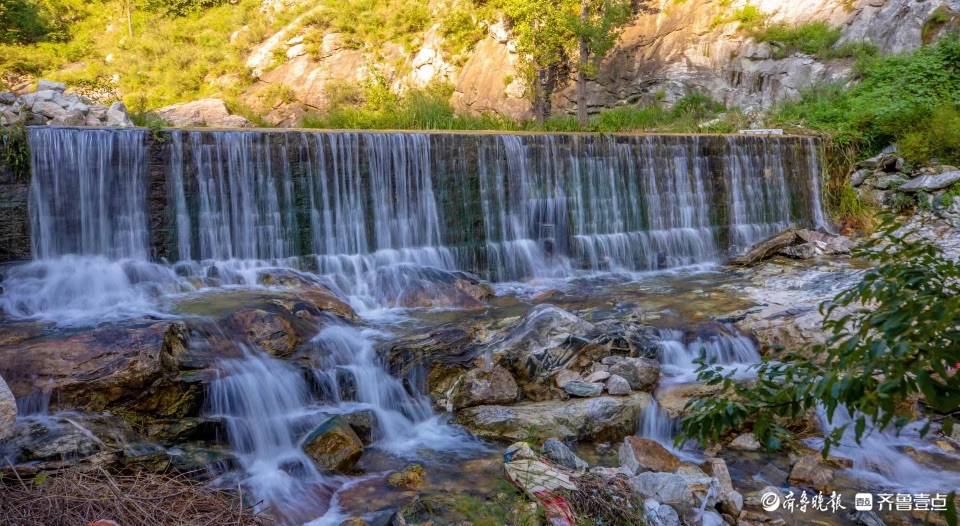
{"points": [[429, 287], [309, 288], [643, 454], [601, 418], [212, 113], [127, 369], [686, 491], [812, 472], [334, 446], [494, 385], [8, 411], [929, 183]]}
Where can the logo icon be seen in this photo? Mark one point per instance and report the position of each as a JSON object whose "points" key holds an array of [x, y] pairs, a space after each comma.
{"points": [[863, 501], [770, 501]]}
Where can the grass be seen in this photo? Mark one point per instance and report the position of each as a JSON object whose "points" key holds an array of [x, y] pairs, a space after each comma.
{"points": [[812, 38], [749, 18], [375, 106], [906, 97]]}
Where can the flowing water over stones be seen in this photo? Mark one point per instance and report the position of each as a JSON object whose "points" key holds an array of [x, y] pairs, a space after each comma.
{"points": [[250, 248]]}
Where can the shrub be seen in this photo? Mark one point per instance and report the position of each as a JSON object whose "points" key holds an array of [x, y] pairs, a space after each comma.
{"points": [[749, 18]]}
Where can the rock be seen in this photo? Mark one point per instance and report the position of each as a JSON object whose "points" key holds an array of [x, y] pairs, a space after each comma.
{"points": [[211, 113], [745, 442], [599, 418], [643, 454], [309, 288], [564, 376], [801, 251], [432, 288], [445, 352], [583, 389], [8, 411], [641, 373], [270, 330], [618, 385], [597, 376], [49, 109], [333, 446], [767, 248], [858, 177], [812, 472], [45, 85], [363, 423], [411, 477], [354, 521], [929, 183], [558, 453], [887, 182], [711, 518], [125, 368], [546, 340], [117, 116], [485, 386], [730, 501], [660, 514], [683, 491]]}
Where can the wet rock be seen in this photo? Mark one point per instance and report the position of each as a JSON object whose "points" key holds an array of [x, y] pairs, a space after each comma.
{"points": [[643, 454], [411, 477], [558, 453], [363, 423], [595, 418], [641, 373], [334, 446], [444, 353], [730, 501], [858, 177], [767, 248], [673, 399], [434, 288], [485, 386], [205, 112], [270, 331], [307, 287], [812, 472], [544, 341], [929, 183], [8, 411], [745, 442], [887, 182], [583, 389], [128, 369], [618, 385], [354, 521], [36, 440]]}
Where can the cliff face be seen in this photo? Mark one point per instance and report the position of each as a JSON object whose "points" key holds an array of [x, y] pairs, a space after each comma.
{"points": [[671, 48]]}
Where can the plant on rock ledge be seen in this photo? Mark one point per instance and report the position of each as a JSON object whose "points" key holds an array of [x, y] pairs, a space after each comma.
{"points": [[895, 337]]}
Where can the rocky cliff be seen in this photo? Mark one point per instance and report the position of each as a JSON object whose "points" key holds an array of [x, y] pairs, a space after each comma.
{"points": [[671, 47]]}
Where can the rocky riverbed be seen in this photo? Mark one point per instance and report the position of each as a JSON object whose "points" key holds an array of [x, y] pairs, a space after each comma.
{"points": [[404, 415]]}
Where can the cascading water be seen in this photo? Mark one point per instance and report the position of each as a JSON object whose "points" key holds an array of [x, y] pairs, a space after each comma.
{"points": [[721, 345]]}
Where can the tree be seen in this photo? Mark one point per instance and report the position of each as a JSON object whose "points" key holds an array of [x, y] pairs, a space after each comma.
{"points": [[598, 27], [544, 37], [894, 337]]}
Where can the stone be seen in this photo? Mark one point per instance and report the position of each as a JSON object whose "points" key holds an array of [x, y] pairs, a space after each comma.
{"points": [[485, 386], [711, 518], [558, 453], [49, 109], [676, 489], [929, 183], [618, 385], [858, 177], [354, 521], [363, 423], [410, 477], [658, 514], [801, 251], [767, 248], [887, 182], [643, 454], [812, 472], [583, 389], [545, 341], [211, 113], [8, 411], [269, 330], [745, 442], [333, 446], [597, 376], [50, 85], [310, 289], [117, 116], [564, 376], [641, 373], [432, 288], [603, 417], [7, 98]]}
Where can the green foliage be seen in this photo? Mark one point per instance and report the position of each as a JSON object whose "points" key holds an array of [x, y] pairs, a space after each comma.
{"points": [[936, 137], [812, 38], [749, 18], [544, 32], [181, 7], [462, 27], [15, 151], [894, 336], [368, 24], [602, 26], [938, 19], [31, 21], [896, 95]]}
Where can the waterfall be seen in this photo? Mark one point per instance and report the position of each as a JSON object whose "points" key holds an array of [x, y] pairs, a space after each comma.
{"points": [[376, 212], [721, 345]]}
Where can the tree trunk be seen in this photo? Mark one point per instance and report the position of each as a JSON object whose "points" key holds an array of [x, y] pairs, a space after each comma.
{"points": [[582, 117], [539, 97]]}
